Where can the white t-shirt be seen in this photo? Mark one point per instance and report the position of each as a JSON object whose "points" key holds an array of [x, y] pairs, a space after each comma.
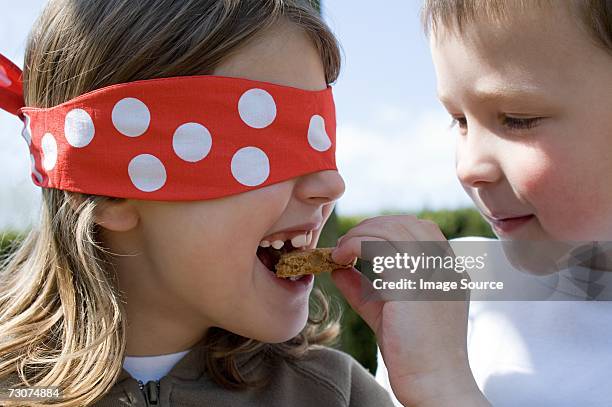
{"points": [[145, 368], [538, 353]]}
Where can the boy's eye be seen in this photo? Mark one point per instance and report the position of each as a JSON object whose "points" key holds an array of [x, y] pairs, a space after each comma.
{"points": [[460, 122], [520, 123], [513, 123]]}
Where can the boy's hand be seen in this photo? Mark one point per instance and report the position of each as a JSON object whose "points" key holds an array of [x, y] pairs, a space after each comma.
{"points": [[423, 343]]}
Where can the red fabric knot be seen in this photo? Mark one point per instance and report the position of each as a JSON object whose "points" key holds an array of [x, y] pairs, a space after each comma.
{"points": [[11, 89]]}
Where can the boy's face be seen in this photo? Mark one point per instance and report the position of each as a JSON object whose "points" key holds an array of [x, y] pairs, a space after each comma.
{"points": [[532, 99]]}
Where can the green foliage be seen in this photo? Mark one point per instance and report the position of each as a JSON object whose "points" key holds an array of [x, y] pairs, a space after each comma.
{"points": [[316, 4], [9, 240], [458, 223]]}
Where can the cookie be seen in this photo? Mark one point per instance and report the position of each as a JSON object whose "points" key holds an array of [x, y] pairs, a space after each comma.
{"points": [[302, 262]]}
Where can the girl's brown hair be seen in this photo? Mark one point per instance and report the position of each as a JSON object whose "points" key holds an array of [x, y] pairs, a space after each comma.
{"points": [[62, 320], [594, 15]]}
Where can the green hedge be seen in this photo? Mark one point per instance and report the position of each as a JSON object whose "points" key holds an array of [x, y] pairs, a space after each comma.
{"points": [[357, 339], [8, 240]]}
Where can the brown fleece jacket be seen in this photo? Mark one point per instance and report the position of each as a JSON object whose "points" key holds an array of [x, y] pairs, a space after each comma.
{"points": [[324, 377]]}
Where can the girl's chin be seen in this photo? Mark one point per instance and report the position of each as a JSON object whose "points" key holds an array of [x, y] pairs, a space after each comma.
{"points": [[278, 334], [273, 327]]}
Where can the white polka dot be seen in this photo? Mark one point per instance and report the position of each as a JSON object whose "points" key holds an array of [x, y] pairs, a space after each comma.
{"points": [[26, 133], [147, 172], [49, 151], [257, 108], [250, 166], [192, 142], [78, 128], [317, 136], [34, 170], [5, 81], [131, 117]]}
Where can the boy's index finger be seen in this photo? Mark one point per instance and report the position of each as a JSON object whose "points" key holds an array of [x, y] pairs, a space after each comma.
{"points": [[350, 248]]}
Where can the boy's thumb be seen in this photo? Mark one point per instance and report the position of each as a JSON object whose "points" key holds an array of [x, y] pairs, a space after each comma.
{"points": [[357, 290]]}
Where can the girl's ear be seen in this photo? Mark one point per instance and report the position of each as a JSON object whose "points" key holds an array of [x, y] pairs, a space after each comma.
{"points": [[117, 215]]}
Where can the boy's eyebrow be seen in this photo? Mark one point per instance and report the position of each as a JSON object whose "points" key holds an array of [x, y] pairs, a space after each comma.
{"points": [[498, 93]]}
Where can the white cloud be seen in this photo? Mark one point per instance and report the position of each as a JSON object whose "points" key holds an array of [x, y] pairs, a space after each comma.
{"points": [[19, 197], [398, 164]]}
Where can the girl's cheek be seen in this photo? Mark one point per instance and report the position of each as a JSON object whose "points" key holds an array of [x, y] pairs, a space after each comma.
{"points": [[271, 200]]}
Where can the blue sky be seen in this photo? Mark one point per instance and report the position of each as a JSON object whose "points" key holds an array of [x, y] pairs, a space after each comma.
{"points": [[395, 150]]}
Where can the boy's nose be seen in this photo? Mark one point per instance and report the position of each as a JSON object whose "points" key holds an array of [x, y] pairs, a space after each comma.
{"points": [[320, 187], [476, 162]]}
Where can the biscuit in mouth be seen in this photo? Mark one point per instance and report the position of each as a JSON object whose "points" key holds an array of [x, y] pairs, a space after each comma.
{"points": [[270, 256], [296, 263]]}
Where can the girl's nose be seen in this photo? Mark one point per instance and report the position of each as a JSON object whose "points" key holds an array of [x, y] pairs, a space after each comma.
{"points": [[476, 159], [320, 187]]}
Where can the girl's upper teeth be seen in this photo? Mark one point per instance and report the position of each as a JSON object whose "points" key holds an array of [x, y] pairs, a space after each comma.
{"points": [[301, 240]]}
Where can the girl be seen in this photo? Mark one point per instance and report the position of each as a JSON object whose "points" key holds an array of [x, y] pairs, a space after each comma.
{"points": [[180, 146], [126, 263]]}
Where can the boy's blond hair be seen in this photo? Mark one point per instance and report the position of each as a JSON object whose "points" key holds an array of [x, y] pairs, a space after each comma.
{"points": [[62, 320], [594, 15]]}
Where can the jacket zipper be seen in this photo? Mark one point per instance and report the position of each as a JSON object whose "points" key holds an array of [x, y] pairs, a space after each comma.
{"points": [[150, 391]]}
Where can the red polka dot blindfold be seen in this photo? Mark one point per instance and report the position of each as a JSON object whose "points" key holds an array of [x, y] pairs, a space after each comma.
{"points": [[175, 139]]}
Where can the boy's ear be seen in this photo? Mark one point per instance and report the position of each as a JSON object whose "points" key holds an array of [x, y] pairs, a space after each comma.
{"points": [[117, 215]]}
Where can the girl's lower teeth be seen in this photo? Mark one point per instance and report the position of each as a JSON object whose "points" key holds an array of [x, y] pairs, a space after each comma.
{"points": [[295, 278]]}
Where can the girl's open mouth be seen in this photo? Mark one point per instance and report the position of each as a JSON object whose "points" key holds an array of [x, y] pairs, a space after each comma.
{"points": [[270, 256]]}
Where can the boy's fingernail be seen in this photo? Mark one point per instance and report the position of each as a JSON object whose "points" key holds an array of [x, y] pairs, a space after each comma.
{"points": [[334, 255], [338, 258]]}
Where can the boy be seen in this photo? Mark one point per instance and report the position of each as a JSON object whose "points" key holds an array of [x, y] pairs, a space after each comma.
{"points": [[529, 86]]}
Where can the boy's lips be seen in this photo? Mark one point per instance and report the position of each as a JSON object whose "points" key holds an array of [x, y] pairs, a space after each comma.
{"points": [[507, 224]]}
